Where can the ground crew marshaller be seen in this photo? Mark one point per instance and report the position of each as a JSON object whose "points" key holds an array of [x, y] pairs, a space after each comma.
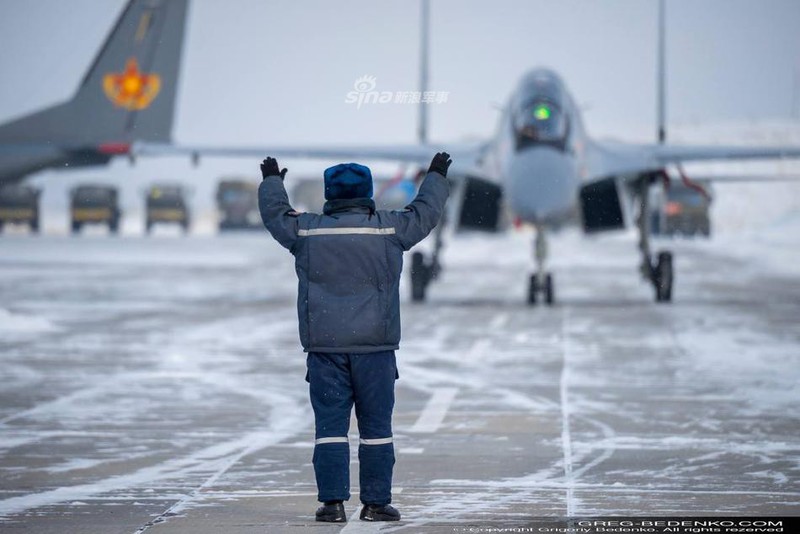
{"points": [[348, 262]]}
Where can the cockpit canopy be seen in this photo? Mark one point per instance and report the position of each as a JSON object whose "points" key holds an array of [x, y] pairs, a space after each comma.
{"points": [[538, 114]]}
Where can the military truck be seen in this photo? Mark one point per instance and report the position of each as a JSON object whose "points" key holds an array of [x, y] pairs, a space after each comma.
{"points": [[19, 204], [237, 204], [682, 210], [94, 204], [166, 203]]}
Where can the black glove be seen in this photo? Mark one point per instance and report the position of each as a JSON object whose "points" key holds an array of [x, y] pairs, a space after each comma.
{"points": [[440, 163], [269, 167]]}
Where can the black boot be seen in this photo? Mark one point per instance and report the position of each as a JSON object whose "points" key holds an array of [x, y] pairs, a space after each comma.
{"points": [[379, 512], [332, 512]]}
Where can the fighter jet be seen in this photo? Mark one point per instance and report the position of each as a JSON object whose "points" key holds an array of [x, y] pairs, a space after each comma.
{"points": [[540, 166]]}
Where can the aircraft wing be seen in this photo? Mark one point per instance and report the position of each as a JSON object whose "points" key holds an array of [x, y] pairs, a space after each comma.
{"points": [[667, 154], [606, 159], [736, 178], [412, 153]]}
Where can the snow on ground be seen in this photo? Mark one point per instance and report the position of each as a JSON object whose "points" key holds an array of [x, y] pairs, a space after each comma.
{"points": [[169, 375], [15, 325]]}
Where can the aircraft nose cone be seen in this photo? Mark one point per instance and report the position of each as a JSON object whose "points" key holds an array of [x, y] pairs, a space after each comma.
{"points": [[542, 184]]}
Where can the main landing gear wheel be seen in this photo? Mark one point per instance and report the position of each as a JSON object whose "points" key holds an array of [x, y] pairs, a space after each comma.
{"points": [[545, 287], [421, 275], [663, 276], [423, 271], [660, 272]]}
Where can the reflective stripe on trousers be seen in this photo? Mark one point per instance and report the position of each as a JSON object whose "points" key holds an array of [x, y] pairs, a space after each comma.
{"points": [[343, 439]]}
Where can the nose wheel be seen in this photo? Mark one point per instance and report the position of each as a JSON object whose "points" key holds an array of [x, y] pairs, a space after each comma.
{"points": [[541, 286]]}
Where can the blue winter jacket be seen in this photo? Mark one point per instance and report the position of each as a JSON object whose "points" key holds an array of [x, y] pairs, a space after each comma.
{"points": [[348, 264]]}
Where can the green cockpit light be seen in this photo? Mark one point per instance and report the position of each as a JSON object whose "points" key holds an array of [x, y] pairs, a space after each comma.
{"points": [[541, 112]]}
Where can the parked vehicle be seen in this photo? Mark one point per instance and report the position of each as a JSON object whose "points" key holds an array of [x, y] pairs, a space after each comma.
{"points": [[19, 204], [94, 204], [237, 204], [166, 203], [680, 210]]}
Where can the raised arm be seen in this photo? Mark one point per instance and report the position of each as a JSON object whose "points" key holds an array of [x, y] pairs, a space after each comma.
{"points": [[273, 203], [415, 222]]}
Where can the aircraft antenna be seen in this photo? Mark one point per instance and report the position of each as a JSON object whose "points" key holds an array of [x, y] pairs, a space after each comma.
{"points": [[422, 127], [662, 74]]}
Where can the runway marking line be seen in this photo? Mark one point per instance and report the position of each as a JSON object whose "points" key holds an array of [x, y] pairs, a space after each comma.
{"points": [[499, 321], [431, 417], [566, 437], [478, 349], [354, 524]]}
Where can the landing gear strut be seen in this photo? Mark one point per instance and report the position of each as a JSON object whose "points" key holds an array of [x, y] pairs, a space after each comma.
{"points": [[541, 282], [659, 272], [424, 272]]}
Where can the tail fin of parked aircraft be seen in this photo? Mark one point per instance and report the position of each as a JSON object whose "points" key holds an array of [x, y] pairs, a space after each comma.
{"points": [[128, 93]]}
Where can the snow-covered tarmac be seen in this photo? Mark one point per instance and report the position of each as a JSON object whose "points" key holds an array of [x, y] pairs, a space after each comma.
{"points": [[157, 384]]}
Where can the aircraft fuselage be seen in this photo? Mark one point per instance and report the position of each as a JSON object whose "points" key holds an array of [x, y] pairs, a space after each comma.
{"points": [[537, 151]]}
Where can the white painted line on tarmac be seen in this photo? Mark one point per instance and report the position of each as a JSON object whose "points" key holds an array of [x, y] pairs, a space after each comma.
{"points": [[478, 349], [499, 321], [411, 450], [434, 412], [354, 524], [566, 438]]}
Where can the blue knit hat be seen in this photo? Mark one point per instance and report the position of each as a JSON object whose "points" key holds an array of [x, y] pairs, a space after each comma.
{"points": [[348, 180]]}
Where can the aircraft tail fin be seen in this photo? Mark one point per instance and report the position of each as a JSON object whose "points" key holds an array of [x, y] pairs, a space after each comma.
{"points": [[128, 93]]}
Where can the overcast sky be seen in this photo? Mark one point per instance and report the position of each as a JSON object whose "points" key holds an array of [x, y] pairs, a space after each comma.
{"points": [[259, 72]]}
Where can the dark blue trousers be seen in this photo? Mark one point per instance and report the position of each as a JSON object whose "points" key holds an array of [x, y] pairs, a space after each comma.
{"points": [[336, 383]]}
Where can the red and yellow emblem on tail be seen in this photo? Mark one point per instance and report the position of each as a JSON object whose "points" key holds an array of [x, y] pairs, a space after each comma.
{"points": [[131, 89]]}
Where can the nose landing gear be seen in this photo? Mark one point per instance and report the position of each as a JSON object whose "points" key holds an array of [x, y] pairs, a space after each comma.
{"points": [[541, 282]]}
